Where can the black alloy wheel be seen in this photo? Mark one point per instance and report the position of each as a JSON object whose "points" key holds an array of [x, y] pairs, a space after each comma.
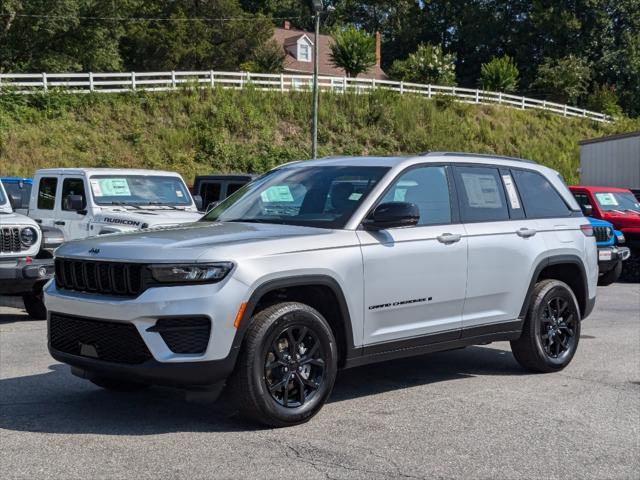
{"points": [[294, 366], [558, 326]]}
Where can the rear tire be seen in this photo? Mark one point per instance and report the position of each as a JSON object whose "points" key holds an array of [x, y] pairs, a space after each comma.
{"points": [[34, 305], [611, 276], [551, 330], [286, 367], [117, 385]]}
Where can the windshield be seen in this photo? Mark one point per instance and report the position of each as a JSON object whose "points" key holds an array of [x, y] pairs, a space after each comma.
{"points": [[139, 190], [324, 197], [619, 201]]}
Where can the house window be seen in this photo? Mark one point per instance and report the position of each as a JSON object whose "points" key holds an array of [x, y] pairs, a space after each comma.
{"points": [[304, 52]]}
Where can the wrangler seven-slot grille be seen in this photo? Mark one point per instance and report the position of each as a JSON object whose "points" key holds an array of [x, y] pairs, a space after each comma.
{"points": [[10, 240], [111, 278], [601, 234], [101, 339]]}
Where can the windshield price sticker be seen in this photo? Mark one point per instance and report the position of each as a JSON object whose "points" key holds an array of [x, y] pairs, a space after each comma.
{"points": [[607, 199], [277, 193], [511, 191], [110, 187]]}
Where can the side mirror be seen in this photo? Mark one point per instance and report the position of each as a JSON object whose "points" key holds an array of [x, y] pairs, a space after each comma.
{"points": [[15, 200], [587, 210], [75, 203], [197, 199], [393, 215]]}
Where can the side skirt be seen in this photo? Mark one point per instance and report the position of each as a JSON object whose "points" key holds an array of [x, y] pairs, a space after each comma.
{"points": [[438, 342]]}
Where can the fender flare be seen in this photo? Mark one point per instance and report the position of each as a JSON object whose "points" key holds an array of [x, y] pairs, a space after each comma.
{"points": [[585, 308], [298, 281]]}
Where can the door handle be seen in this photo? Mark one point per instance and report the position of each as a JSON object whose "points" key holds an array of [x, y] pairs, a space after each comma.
{"points": [[58, 222], [448, 238], [526, 232]]}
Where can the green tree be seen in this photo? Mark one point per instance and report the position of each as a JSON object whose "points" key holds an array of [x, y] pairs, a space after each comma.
{"points": [[500, 74], [565, 80], [353, 50], [267, 58], [201, 34], [428, 64]]}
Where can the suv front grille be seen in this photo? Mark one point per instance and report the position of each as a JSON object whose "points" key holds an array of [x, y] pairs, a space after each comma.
{"points": [[601, 234], [111, 341], [184, 335], [10, 240], [124, 279]]}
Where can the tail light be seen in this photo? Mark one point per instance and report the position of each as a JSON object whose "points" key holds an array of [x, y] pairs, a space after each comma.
{"points": [[587, 229]]}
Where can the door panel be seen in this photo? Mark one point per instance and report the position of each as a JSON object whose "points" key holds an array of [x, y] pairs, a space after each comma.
{"points": [[73, 224], [414, 284]]}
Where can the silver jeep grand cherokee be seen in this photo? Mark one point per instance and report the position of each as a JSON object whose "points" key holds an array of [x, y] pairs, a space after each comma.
{"points": [[330, 264]]}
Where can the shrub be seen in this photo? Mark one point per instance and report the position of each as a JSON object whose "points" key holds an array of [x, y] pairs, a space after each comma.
{"points": [[267, 58], [428, 64], [604, 99], [564, 80], [353, 51], [500, 74]]}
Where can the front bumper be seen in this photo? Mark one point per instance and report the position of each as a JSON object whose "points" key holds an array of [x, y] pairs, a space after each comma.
{"points": [[608, 257], [19, 276], [143, 312]]}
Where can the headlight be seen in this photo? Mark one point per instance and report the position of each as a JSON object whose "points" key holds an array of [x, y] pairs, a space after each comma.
{"points": [[28, 236], [206, 273], [609, 232]]}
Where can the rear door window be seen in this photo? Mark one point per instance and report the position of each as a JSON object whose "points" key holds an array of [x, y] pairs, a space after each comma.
{"points": [[47, 193], [481, 194], [540, 198]]}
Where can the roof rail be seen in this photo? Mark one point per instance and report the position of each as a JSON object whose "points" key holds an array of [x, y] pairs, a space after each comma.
{"points": [[486, 155]]}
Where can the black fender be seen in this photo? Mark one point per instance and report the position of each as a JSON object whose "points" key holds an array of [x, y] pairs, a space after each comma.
{"points": [[296, 281], [586, 306]]}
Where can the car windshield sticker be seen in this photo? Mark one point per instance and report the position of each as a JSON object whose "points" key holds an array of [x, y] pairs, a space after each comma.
{"points": [[606, 199], [110, 187], [355, 196], [277, 193], [399, 194], [482, 190], [179, 193], [511, 191]]}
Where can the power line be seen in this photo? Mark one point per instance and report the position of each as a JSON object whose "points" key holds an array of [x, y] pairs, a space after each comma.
{"points": [[144, 19]]}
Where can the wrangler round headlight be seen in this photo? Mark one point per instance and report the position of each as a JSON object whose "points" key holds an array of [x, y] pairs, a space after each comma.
{"points": [[205, 273], [28, 236]]}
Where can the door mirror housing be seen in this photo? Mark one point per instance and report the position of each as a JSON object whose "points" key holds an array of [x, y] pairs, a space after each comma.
{"points": [[75, 203], [197, 199], [393, 215], [15, 200], [587, 210]]}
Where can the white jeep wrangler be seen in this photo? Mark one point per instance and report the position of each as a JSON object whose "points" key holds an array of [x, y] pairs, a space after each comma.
{"points": [[84, 202], [21, 273]]}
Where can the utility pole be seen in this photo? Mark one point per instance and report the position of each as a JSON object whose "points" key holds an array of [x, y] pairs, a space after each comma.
{"points": [[318, 7]]}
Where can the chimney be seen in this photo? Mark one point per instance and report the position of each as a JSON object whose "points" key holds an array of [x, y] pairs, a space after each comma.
{"points": [[378, 49], [286, 25]]}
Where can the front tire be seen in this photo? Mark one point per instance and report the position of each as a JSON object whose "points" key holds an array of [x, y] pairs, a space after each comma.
{"points": [[287, 365], [34, 305], [611, 276], [551, 329]]}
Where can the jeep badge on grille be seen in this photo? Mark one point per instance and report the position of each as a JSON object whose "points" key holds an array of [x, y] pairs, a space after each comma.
{"points": [[94, 251]]}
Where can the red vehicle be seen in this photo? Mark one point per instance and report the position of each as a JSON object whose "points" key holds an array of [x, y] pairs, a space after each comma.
{"points": [[620, 207]]}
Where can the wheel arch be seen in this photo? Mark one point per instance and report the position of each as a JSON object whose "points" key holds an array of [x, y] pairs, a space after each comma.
{"points": [[567, 268], [312, 290]]}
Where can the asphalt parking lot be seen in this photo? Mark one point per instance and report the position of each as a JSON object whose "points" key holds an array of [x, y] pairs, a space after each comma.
{"points": [[471, 413]]}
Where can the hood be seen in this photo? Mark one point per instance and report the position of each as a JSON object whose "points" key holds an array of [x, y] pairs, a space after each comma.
{"points": [[596, 222], [623, 219], [146, 218], [11, 218], [202, 241]]}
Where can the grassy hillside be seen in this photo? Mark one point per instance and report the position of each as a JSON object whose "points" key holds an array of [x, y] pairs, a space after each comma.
{"points": [[205, 131]]}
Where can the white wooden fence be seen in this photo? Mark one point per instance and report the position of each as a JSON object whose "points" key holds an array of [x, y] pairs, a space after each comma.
{"points": [[160, 81]]}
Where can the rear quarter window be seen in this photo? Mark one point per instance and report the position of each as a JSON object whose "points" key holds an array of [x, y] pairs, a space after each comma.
{"points": [[540, 198]]}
